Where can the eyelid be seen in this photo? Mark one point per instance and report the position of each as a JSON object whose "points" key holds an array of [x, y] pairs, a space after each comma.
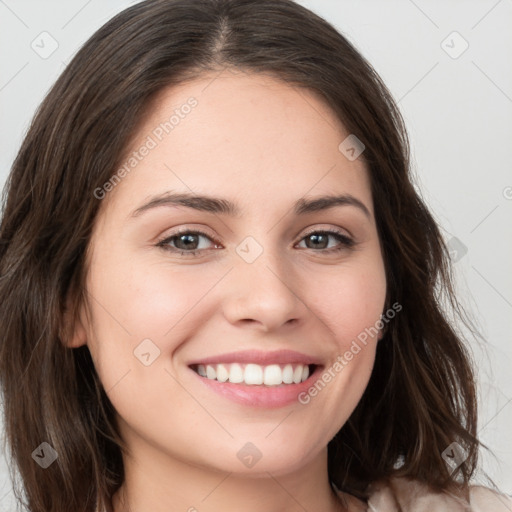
{"points": [[184, 231], [335, 229]]}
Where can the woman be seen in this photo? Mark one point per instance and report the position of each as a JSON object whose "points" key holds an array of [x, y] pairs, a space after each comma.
{"points": [[220, 288]]}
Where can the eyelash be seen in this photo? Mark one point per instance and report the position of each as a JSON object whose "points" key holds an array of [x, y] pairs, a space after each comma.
{"points": [[345, 241]]}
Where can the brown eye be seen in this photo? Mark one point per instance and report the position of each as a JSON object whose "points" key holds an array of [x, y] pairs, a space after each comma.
{"points": [[320, 240], [185, 242]]}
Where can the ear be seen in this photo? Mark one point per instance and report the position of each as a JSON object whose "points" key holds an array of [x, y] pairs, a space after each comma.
{"points": [[72, 333]]}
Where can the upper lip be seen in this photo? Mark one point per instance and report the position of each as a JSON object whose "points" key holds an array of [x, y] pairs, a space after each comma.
{"points": [[259, 357]]}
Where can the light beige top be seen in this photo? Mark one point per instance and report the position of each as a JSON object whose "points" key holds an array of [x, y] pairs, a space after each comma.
{"points": [[412, 496], [406, 495]]}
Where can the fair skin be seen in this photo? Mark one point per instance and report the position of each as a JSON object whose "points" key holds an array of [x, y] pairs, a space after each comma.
{"points": [[263, 145]]}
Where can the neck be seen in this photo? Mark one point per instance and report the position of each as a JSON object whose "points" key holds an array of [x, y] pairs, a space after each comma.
{"points": [[157, 482]]}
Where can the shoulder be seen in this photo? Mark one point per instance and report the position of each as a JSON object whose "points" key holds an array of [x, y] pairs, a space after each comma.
{"points": [[351, 503], [408, 495]]}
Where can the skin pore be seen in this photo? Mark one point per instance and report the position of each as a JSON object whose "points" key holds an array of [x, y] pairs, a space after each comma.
{"points": [[263, 145]]}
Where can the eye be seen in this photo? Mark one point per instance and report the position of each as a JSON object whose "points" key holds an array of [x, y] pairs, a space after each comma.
{"points": [[320, 238], [187, 241]]}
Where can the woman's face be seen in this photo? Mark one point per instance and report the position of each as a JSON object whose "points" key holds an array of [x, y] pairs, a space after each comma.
{"points": [[263, 292]]}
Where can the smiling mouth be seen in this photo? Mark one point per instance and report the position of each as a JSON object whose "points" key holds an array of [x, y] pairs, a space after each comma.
{"points": [[255, 374]]}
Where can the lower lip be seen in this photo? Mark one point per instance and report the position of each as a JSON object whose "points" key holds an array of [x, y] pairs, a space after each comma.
{"points": [[268, 397]]}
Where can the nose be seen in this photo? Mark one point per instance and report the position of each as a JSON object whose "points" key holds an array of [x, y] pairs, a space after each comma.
{"points": [[263, 297], [263, 294]]}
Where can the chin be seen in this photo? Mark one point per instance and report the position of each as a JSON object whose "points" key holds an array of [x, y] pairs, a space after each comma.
{"points": [[261, 456]]}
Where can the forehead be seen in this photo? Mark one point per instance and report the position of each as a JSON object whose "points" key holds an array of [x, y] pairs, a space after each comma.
{"points": [[241, 135]]}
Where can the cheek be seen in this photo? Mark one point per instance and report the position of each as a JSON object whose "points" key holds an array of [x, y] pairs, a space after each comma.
{"points": [[131, 303], [147, 300], [351, 310], [137, 310], [350, 300]]}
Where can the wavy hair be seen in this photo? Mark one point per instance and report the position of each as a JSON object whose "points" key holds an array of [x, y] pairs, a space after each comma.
{"points": [[421, 395]]}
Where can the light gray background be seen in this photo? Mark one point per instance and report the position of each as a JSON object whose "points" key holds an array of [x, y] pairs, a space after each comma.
{"points": [[458, 110]]}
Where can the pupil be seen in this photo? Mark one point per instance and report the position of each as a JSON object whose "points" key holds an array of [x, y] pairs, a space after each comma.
{"points": [[187, 240], [316, 238]]}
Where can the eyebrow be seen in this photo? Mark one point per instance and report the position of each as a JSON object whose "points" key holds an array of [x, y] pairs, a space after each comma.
{"points": [[219, 205]]}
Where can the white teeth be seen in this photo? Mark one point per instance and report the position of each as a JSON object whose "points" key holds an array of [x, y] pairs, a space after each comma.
{"points": [[272, 375], [288, 374], [222, 373], [255, 374], [297, 374], [210, 372], [236, 374]]}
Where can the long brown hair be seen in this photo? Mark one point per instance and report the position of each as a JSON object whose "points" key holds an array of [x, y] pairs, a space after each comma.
{"points": [[421, 395]]}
